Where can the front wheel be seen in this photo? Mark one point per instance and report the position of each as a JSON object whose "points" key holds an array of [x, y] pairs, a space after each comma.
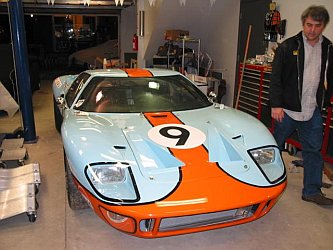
{"points": [[74, 197], [57, 116]]}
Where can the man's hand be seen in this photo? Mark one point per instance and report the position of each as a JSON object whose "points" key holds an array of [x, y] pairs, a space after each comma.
{"points": [[277, 114]]}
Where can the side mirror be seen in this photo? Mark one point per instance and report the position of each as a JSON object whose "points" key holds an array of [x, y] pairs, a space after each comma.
{"points": [[60, 100], [212, 96]]}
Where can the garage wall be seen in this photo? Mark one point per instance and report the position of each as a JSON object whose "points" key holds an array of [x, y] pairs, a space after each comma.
{"points": [[127, 30], [292, 10], [216, 26]]}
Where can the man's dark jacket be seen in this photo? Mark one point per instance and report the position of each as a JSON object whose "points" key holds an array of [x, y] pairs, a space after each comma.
{"points": [[287, 74]]}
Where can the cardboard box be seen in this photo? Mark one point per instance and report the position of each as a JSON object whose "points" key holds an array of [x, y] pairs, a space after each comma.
{"points": [[196, 78], [201, 79], [175, 34], [211, 83], [204, 83], [190, 76]]}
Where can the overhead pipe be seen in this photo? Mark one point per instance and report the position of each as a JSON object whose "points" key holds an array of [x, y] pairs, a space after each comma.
{"points": [[21, 64]]}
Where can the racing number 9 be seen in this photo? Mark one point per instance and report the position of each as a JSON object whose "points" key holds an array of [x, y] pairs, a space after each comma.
{"points": [[179, 136], [182, 137]]}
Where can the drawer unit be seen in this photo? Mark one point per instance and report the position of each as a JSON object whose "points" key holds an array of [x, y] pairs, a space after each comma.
{"points": [[253, 97]]}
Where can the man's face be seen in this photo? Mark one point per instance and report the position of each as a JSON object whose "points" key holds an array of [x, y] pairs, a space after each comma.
{"points": [[312, 29]]}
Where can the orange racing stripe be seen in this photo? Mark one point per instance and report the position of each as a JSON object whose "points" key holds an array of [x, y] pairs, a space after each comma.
{"points": [[200, 175], [195, 159], [138, 73]]}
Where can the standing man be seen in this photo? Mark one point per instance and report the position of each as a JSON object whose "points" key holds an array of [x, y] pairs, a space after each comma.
{"points": [[301, 85]]}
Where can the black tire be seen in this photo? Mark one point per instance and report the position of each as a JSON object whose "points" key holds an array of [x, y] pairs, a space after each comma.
{"points": [[32, 217], [74, 197], [57, 116], [292, 150]]}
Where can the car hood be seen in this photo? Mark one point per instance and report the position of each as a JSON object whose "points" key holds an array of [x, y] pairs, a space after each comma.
{"points": [[225, 137]]}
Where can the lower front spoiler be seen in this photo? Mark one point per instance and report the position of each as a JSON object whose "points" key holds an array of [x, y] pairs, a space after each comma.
{"points": [[151, 225]]}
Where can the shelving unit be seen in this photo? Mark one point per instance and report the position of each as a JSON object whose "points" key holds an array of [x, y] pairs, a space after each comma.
{"points": [[166, 61], [191, 40]]}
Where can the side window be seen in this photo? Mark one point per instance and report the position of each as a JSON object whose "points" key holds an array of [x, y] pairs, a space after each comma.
{"points": [[75, 88]]}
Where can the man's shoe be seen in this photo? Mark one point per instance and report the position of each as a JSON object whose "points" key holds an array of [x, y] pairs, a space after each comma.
{"points": [[319, 199]]}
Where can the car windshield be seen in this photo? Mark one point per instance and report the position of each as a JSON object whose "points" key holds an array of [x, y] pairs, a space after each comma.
{"points": [[153, 94]]}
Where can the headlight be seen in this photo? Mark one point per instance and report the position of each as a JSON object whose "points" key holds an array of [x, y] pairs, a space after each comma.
{"points": [[270, 163], [112, 181], [264, 155], [107, 174]]}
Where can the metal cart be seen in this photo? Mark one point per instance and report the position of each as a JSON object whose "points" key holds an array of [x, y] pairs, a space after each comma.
{"points": [[19, 183], [18, 189]]}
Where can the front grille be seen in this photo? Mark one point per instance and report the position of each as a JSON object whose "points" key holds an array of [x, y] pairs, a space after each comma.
{"points": [[199, 220]]}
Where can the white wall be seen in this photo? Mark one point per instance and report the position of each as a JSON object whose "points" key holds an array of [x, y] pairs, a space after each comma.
{"points": [[292, 10], [216, 26], [219, 36], [127, 30]]}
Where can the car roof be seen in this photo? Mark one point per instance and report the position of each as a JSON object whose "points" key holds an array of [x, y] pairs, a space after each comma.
{"points": [[137, 72]]}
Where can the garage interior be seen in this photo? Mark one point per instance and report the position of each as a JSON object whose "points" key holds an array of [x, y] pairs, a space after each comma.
{"points": [[218, 28]]}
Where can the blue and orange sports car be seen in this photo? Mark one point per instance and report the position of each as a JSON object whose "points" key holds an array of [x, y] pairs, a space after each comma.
{"points": [[153, 156]]}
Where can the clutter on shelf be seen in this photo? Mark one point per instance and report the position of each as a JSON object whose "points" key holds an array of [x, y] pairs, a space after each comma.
{"points": [[182, 53]]}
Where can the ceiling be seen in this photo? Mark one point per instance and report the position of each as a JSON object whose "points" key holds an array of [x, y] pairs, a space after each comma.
{"points": [[70, 6]]}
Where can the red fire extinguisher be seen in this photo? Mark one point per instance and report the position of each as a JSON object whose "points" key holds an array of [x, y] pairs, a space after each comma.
{"points": [[135, 42]]}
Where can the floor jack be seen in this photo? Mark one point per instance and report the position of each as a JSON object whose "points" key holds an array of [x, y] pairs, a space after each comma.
{"points": [[19, 182]]}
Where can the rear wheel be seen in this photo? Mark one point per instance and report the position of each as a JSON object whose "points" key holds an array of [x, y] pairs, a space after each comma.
{"points": [[74, 197], [57, 116]]}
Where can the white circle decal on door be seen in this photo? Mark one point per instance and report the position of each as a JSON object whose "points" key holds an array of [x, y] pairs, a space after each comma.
{"points": [[177, 136]]}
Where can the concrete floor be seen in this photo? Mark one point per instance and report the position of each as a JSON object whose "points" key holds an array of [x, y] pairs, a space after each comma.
{"points": [[292, 223]]}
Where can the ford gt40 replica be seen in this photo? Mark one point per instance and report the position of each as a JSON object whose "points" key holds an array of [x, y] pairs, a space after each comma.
{"points": [[153, 156]]}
